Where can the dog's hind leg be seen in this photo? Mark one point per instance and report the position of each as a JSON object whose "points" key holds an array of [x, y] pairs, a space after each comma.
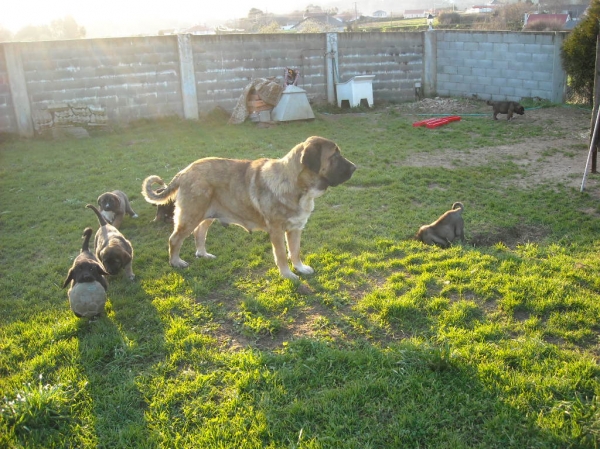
{"points": [[293, 242], [200, 237], [186, 221]]}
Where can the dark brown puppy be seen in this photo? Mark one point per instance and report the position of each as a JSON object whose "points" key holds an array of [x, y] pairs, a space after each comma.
{"points": [[273, 195], [506, 107], [86, 267], [112, 248], [445, 229], [114, 205], [164, 212]]}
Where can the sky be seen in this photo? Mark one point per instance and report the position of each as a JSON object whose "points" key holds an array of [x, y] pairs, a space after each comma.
{"points": [[20, 13], [106, 18]]}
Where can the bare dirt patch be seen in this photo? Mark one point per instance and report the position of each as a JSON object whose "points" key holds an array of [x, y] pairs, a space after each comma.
{"points": [[546, 159]]}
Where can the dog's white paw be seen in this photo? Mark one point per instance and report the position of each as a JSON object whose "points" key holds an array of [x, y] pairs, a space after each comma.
{"points": [[179, 263], [289, 275], [205, 255], [134, 216], [304, 269]]}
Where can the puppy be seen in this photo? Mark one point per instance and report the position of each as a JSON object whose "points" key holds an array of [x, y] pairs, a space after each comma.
{"points": [[164, 212], [112, 248], [445, 229], [506, 107], [273, 195], [114, 205], [86, 267]]}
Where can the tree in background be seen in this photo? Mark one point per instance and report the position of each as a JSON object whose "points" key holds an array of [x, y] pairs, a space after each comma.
{"points": [[579, 54], [5, 35], [65, 28], [506, 18], [272, 27], [32, 33]]}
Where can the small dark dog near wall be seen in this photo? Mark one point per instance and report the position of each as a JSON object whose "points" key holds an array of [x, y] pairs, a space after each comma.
{"points": [[86, 267], [506, 107]]}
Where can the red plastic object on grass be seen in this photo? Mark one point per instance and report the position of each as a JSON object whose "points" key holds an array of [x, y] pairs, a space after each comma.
{"points": [[435, 122]]}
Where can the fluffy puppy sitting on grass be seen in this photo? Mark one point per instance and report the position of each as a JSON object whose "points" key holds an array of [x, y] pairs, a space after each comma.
{"points": [[112, 248], [86, 266], [445, 229], [114, 205]]}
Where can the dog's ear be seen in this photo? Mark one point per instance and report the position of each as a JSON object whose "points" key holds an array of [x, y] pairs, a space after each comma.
{"points": [[311, 156], [69, 278], [102, 271]]}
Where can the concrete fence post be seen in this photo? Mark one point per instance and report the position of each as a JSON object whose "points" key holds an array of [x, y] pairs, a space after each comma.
{"points": [[429, 63], [18, 89], [188, 77], [559, 76], [331, 58]]}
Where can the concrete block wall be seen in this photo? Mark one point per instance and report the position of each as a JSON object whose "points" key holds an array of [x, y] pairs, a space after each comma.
{"points": [[7, 116], [225, 64], [500, 65], [131, 78], [396, 60], [157, 76]]}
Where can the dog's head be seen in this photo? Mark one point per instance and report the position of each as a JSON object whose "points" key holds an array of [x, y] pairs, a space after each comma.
{"points": [[85, 269], [115, 258], [519, 109], [109, 202], [323, 157]]}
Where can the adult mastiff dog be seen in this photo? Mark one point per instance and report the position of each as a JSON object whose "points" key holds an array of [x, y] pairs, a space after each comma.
{"points": [[274, 195]]}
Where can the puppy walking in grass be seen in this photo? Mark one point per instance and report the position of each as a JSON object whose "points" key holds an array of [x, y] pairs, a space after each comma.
{"points": [[113, 207], [112, 248], [446, 229], [86, 266]]}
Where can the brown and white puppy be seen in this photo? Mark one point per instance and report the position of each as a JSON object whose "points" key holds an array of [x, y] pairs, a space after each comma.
{"points": [[506, 107], [114, 205], [445, 229], [112, 248], [86, 267], [273, 195]]}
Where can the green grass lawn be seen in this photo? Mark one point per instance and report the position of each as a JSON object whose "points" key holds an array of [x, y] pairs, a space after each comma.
{"points": [[390, 344]]}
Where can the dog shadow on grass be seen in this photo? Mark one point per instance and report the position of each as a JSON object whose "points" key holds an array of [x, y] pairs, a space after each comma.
{"points": [[116, 350]]}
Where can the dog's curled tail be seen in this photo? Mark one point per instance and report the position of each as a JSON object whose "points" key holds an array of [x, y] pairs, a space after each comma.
{"points": [[87, 233], [458, 205], [101, 219], [164, 194]]}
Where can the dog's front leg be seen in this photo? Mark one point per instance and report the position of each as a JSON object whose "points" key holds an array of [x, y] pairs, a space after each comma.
{"points": [[200, 237], [293, 242], [277, 237]]}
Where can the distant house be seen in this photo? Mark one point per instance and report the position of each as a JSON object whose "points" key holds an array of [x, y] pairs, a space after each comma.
{"points": [[480, 9], [414, 13], [199, 30], [380, 14], [562, 20]]}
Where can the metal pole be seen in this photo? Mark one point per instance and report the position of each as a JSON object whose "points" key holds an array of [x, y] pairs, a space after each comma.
{"points": [[592, 145]]}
